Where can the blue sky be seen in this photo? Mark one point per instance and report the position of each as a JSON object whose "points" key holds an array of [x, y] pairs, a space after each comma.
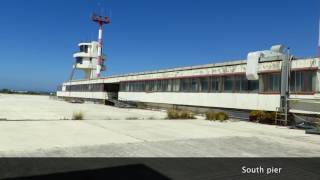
{"points": [[38, 37]]}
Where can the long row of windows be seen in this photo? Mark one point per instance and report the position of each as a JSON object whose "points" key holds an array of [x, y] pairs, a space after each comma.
{"points": [[198, 84], [93, 88], [85, 88], [300, 82]]}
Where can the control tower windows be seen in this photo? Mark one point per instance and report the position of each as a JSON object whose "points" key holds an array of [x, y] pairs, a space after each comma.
{"points": [[84, 48], [79, 60]]}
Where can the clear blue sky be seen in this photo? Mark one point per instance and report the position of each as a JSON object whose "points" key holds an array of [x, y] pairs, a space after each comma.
{"points": [[38, 37]]}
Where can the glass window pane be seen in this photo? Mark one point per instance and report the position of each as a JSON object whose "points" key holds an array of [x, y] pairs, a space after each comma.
{"points": [[271, 82], [277, 83], [204, 84], [227, 83], [308, 82], [154, 85], [237, 83], [292, 81], [194, 84], [298, 82], [185, 85], [176, 85], [215, 84], [169, 87], [253, 86]]}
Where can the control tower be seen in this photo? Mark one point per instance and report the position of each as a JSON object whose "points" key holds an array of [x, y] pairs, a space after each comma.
{"points": [[90, 58], [87, 59]]}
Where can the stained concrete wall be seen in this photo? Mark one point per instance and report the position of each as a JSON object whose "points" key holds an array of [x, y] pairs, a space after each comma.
{"points": [[223, 100]]}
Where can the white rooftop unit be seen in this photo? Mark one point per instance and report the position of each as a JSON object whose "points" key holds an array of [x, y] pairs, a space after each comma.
{"points": [[276, 52]]}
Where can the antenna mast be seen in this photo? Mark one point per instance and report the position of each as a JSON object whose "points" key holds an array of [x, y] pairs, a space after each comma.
{"points": [[100, 20]]}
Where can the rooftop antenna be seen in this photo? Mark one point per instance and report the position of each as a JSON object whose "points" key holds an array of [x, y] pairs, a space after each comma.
{"points": [[100, 20]]}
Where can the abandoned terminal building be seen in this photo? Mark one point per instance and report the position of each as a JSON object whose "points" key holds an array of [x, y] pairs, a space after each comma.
{"points": [[221, 85]]}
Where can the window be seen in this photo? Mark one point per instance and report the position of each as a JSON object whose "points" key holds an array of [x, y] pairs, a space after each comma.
{"points": [[94, 88], [215, 84], [122, 86], [78, 60], [241, 84], [84, 48], [204, 84], [185, 84], [199, 84], [308, 81], [148, 86], [127, 87], [253, 85], [301, 81], [194, 85], [157, 85], [165, 85], [169, 85], [227, 83], [153, 86], [271, 82], [142, 86], [85, 88], [176, 85]]}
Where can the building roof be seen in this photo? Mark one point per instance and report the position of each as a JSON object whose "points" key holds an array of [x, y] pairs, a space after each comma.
{"points": [[219, 64]]}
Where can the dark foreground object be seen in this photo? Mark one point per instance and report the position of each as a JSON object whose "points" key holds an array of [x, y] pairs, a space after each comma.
{"points": [[160, 168], [138, 171]]}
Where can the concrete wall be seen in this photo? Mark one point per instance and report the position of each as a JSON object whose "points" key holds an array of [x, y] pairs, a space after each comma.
{"points": [[307, 106], [86, 95], [245, 101]]}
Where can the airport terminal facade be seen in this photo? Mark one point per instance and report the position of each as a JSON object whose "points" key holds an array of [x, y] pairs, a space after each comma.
{"points": [[219, 85]]}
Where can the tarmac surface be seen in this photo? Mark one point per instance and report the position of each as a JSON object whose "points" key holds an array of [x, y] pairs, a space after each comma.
{"points": [[152, 138], [33, 107], [123, 137]]}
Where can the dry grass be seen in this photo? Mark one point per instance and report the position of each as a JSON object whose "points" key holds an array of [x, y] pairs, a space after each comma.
{"points": [[78, 116], [179, 114], [221, 116], [263, 117], [141, 105]]}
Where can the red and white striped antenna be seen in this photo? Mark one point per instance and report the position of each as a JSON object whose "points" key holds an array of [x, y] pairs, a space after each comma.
{"points": [[100, 20]]}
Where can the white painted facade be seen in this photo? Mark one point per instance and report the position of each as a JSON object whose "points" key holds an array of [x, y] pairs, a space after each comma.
{"points": [[245, 101], [267, 102], [85, 95]]}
